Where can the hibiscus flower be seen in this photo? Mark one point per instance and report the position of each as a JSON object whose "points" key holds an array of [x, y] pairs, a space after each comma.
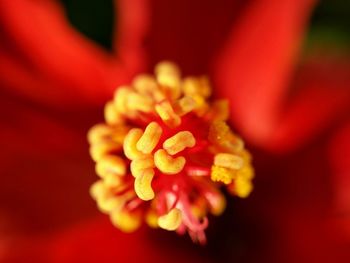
{"points": [[291, 112]]}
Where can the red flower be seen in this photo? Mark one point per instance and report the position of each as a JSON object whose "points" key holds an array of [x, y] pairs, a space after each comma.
{"points": [[54, 82]]}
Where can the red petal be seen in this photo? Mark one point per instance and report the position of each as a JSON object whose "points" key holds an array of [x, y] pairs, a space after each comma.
{"points": [[190, 32], [45, 168], [76, 71], [131, 27], [256, 65], [323, 97], [99, 241], [339, 153]]}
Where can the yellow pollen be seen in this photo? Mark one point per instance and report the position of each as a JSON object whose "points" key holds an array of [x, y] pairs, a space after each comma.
{"points": [[221, 174], [150, 138], [196, 86], [139, 102], [219, 110], [242, 187], [143, 186], [167, 164], [130, 142], [199, 208], [106, 202], [168, 76], [139, 165], [152, 219], [112, 116], [121, 99], [112, 180], [228, 160], [218, 206], [98, 151], [184, 105], [221, 136], [167, 114], [171, 221], [97, 189], [98, 132], [125, 221], [145, 84], [179, 142], [247, 172], [107, 205], [110, 164], [167, 67]]}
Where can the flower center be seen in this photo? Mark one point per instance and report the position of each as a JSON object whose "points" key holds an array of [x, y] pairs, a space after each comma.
{"points": [[164, 151]]}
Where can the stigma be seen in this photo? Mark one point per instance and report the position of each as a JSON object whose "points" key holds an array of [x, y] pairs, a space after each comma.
{"points": [[164, 154]]}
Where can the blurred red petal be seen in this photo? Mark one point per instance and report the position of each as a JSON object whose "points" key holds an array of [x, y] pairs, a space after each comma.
{"points": [[28, 131], [294, 193], [256, 65], [322, 98], [45, 167], [339, 153], [99, 241], [76, 71], [190, 32], [131, 27]]}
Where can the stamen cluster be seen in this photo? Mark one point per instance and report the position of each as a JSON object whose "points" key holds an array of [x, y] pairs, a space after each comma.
{"points": [[163, 152]]}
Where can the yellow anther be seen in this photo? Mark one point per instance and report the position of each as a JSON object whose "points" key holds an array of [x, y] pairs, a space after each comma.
{"points": [[167, 67], [199, 207], [98, 133], [145, 84], [221, 135], [110, 164], [229, 161], [167, 114], [167, 164], [170, 80], [100, 150], [196, 86], [109, 203], [179, 142], [221, 174], [242, 187], [219, 110], [217, 204], [152, 219], [142, 185], [106, 202], [158, 96], [121, 99], [97, 189], [112, 116], [202, 106], [139, 165], [170, 85], [168, 76], [150, 138], [139, 102], [247, 172], [112, 180], [130, 142], [171, 221], [119, 134], [247, 157], [184, 105], [125, 221]]}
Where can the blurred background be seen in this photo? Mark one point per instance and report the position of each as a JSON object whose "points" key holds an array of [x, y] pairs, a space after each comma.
{"points": [[329, 24], [60, 61]]}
